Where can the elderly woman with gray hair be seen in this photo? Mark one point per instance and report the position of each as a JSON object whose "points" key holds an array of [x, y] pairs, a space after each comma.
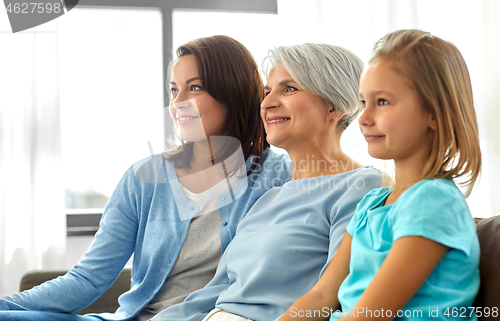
{"points": [[289, 236]]}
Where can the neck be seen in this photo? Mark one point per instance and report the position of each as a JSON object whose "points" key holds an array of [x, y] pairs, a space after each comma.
{"points": [[203, 152], [313, 160], [407, 173]]}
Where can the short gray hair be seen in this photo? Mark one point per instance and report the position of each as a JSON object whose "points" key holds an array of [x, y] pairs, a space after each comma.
{"points": [[330, 72]]}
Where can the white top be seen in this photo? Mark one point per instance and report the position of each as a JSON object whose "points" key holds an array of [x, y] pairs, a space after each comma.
{"points": [[207, 200]]}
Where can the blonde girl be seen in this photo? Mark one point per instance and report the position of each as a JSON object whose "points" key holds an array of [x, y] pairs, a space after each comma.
{"points": [[411, 251]]}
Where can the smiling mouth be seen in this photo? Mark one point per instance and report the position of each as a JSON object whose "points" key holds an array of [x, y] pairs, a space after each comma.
{"points": [[185, 119], [277, 121]]}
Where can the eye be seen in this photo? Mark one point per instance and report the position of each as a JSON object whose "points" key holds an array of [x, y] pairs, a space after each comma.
{"points": [[173, 90], [195, 87], [363, 103], [382, 101], [290, 89], [266, 93]]}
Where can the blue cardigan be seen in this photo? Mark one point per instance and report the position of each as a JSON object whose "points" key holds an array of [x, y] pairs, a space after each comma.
{"points": [[142, 219]]}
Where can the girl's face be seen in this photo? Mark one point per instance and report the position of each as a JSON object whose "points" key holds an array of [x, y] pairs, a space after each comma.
{"points": [[196, 113], [394, 123], [291, 115]]}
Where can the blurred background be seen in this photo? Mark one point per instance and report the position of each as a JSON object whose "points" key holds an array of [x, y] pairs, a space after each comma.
{"points": [[82, 95]]}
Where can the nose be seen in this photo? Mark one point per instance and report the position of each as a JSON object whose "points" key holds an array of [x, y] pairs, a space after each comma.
{"points": [[270, 101], [179, 101], [177, 105], [366, 118]]}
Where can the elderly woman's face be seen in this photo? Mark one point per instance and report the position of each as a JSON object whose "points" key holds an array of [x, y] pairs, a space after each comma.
{"points": [[292, 116]]}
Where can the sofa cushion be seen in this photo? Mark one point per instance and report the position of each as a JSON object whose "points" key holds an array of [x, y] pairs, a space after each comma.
{"points": [[488, 231]]}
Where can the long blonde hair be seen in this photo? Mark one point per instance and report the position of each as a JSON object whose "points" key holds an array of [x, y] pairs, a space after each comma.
{"points": [[437, 72]]}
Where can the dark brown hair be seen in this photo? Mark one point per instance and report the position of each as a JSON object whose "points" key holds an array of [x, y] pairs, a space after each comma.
{"points": [[229, 74], [437, 71]]}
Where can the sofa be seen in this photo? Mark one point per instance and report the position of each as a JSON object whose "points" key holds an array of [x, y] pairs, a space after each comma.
{"points": [[488, 230], [488, 297], [108, 302]]}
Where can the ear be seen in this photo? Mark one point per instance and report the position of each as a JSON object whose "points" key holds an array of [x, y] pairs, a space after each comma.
{"points": [[431, 122], [333, 115]]}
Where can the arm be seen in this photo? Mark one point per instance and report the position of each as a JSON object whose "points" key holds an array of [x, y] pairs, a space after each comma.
{"points": [[408, 264], [113, 245], [324, 293]]}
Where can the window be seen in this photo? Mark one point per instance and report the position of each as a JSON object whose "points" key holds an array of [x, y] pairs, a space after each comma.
{"points": [[111, 97]]}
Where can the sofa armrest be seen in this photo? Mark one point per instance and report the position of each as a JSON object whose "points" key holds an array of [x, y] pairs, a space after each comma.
{"points": [[488, 231], [107, 302]]}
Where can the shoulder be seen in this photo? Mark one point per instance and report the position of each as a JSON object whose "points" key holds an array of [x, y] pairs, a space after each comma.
{"points": [[268, 155], [271, 163], [442, 186], [368, 174], [359, 181], [149, 169], [435, 204], [351, 188], [433, 194], [353, 185], [437, 210]]}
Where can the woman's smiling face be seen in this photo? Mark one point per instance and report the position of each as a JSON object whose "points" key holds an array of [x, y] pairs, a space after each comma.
{"points": [[291, 115], [195, 112]]}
